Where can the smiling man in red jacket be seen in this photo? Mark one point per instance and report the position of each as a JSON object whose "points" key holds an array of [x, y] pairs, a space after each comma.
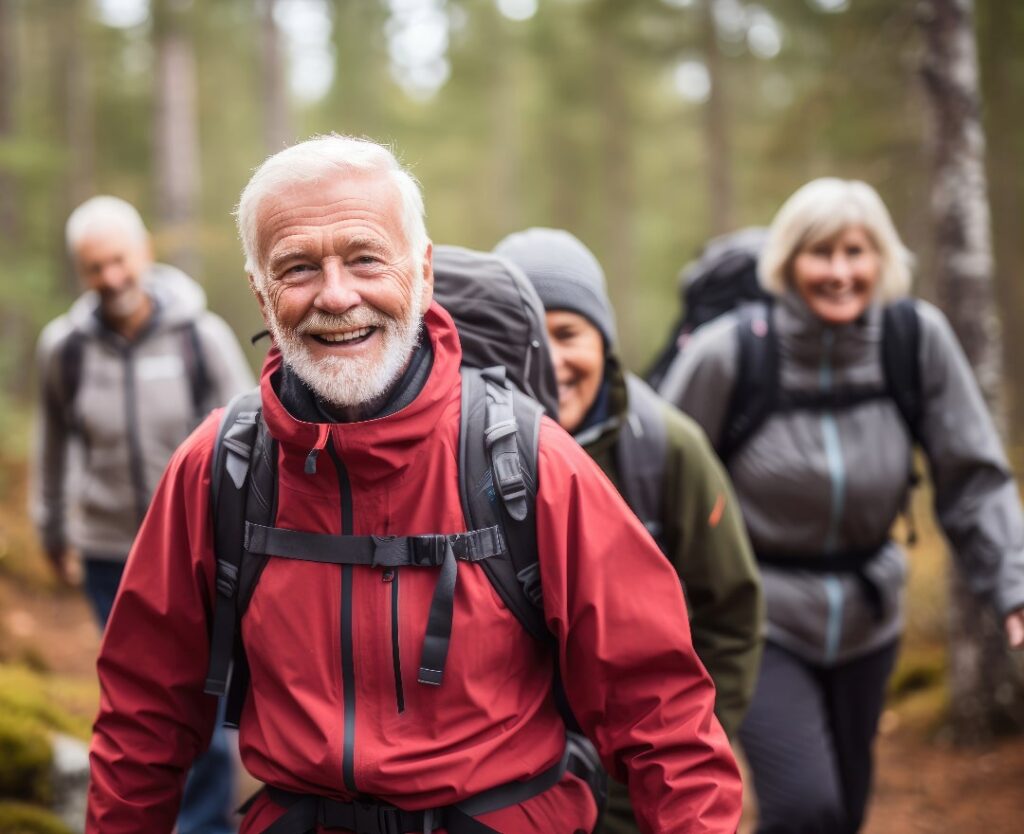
{"points": [[365, 369]]}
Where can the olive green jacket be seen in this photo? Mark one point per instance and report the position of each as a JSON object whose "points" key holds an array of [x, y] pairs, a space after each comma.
{"points": [[707, 544]]}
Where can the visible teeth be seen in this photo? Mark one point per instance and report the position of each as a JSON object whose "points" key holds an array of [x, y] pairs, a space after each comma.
{"points": [[351, 336]]}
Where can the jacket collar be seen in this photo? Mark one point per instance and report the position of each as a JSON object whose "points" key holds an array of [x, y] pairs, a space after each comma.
{"points": [[803, 336], [382, 444]]}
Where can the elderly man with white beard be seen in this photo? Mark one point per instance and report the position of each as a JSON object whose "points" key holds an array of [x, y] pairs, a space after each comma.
{"points": [[360, 405]]}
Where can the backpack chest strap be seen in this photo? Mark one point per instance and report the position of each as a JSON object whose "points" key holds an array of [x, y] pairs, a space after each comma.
{"points": [[426, 551]]}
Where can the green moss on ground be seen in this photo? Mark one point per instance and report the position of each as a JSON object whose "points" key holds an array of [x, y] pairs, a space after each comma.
{"points": [[61, 704], [25, 759], [19, 818]]}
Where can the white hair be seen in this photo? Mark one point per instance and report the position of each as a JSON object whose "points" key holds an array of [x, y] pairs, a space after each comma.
{"points": [[101, 215], [314, 161], [819, 211]]}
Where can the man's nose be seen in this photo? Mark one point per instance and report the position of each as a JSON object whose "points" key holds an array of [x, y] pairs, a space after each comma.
{"points": [[112, 277], [339, 290]]}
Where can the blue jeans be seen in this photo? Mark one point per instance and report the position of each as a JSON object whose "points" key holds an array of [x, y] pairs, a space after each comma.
{"points": [[208, 804]]}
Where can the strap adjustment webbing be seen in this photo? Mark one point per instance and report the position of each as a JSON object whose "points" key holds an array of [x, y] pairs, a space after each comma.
{"points": [[425, 551], [500, 439]]}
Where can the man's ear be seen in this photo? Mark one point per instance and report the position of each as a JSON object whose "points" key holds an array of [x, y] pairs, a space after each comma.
{"points": [[260, 298], [428, 276]]}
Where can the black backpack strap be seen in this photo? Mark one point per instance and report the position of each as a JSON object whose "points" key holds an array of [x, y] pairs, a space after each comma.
{"points": [[491, 454], [755, 391], [641, 450], [901, 340], [196, 369], [229, 490], [70, 376]]}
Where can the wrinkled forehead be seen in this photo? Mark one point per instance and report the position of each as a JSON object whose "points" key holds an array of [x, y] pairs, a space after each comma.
{"points": [[335, 197]]}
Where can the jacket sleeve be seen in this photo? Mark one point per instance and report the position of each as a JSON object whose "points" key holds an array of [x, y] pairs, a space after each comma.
{"points": [[226, 364], [631, 676], [976, 497], [51, 435], [710, 550], [154, 718], [699, 379]]}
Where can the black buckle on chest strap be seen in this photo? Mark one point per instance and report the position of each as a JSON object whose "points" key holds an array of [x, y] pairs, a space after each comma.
{"points": [[429, 550]]}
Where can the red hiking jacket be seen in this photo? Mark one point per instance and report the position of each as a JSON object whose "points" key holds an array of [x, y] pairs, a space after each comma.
{"points": [[324, 719]]}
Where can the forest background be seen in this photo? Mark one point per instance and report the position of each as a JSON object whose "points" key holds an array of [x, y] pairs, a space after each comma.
{"points": [[643, 126]]}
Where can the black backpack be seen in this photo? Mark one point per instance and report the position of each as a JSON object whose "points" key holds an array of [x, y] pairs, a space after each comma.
{"points": [[722, 278], [757, 391], [498, 437], [71, 355]]}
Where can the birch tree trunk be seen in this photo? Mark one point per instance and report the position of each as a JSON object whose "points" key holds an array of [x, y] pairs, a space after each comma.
{"points": [[176, 134], [985, 683]]}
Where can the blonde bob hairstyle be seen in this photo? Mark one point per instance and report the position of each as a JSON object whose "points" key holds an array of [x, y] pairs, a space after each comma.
{"points": [[819, 211]]}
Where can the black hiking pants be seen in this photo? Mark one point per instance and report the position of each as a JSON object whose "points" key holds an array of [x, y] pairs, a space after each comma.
{"points": [[808, 737]]}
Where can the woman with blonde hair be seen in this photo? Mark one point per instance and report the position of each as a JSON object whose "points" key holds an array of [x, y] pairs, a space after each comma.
{"points": [[815, 402]]}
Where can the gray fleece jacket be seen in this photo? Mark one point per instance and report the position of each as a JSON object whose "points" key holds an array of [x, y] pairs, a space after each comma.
{"points": [[815, 483], [132, 405]]}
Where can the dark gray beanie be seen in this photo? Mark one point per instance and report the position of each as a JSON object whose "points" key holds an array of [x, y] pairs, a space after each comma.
{"points": [[565, 274]]}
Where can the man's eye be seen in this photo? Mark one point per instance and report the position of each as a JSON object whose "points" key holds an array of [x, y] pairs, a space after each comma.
{"points": [[366, 260], [299, 269]]}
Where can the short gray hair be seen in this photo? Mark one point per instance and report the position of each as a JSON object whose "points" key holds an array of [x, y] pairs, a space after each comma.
{"points": [[101, 215], [317, 159], [819, 211]]}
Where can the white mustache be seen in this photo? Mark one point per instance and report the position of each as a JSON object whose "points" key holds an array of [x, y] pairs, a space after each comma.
{"points": [[318, 321]]}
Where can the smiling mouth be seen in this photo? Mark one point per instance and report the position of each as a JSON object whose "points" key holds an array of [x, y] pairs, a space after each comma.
{"points": [[351, 337]]}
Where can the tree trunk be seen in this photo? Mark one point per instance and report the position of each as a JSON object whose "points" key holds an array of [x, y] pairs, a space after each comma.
{"points": [[75, 97], [717, 151], [277, 126], [984, 681], [998, 45], [617, 200], [176, 134], [8, 85]]}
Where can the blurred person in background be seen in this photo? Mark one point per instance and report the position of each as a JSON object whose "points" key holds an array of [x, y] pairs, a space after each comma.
{"points": [[816, 400], [125, 375], [662, 464]]}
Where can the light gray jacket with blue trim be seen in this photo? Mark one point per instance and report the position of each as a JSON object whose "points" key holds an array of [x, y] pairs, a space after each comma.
{"points": [[820, 482]]}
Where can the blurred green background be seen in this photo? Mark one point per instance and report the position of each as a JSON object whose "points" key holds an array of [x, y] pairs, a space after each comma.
{"points": [[643, 126]]}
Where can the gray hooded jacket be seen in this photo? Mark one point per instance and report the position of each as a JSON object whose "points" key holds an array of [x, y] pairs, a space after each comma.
{"points": [[132, 406], [820, 482]]}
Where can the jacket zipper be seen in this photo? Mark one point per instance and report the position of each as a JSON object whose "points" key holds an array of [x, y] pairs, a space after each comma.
{"points": [[837, 474], [134, 443], [391, 576], [347, 658]]}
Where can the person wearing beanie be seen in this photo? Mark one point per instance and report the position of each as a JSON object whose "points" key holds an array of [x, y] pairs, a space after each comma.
{"points": [[670, 477]]}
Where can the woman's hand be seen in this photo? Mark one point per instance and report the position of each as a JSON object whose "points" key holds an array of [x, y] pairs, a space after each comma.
{"points": [[1015, 628]]}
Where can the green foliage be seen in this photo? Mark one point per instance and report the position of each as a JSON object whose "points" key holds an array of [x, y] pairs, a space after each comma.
{"points": [[19, 818], [45, 703], [25, 759], [567, 119]]}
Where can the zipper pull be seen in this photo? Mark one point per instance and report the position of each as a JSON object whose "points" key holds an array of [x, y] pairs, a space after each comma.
{"points": [[323, 432]]}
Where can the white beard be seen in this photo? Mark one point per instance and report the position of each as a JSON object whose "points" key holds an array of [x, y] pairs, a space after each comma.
{"points": [[122, 305], [352, 381]]}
